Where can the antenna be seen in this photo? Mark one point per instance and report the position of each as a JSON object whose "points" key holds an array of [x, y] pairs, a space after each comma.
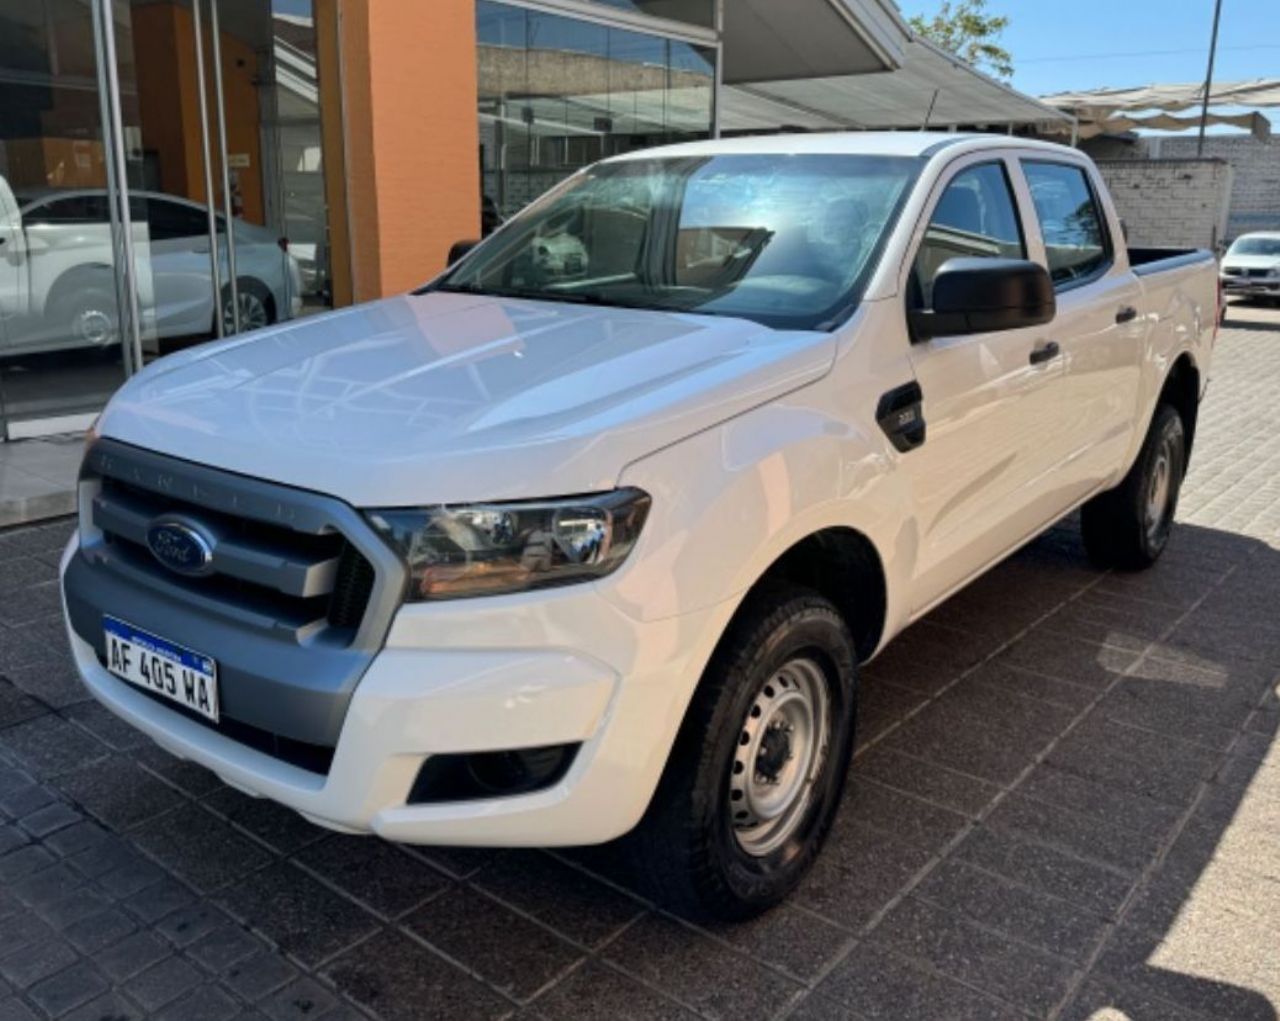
{"points": [[929, 112]]}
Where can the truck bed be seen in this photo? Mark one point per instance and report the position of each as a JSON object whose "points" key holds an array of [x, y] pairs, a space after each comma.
{"points": [[1144, 261]]}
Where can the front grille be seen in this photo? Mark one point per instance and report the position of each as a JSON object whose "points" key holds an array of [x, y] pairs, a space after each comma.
{"points": [[299, 580], [294, 601], [1238, 271], [351, 588]]}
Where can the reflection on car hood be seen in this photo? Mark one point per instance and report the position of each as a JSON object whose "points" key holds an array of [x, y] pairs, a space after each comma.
{"points": [[452, 397]]}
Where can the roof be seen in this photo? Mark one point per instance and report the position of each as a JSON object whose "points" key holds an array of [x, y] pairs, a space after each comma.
{"points": [[930, 87], [851, 143]]}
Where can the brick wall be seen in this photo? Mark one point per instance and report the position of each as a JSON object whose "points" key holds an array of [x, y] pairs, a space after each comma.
{"points": [[1255, 193], [1171, 202]]}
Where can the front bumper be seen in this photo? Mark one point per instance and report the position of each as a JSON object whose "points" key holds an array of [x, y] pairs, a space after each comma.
{"points": [[560, 666]]}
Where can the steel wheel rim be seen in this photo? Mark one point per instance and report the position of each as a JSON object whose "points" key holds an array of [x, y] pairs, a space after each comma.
{"points": [[782, 748], [95, 327], [1160, 490], [253, 313]]}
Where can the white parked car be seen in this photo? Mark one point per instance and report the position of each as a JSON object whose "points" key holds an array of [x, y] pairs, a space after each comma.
{"points": [[57, 284], [589, 536], [1251, 267]]}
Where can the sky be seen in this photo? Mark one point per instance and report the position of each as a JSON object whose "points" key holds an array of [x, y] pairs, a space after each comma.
{"points": [[1060, 45]]}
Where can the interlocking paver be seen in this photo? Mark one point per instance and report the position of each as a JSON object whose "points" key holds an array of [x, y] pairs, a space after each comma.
{"points": [[512, 953], [1065, 803], [69, 988], [393, 975]]}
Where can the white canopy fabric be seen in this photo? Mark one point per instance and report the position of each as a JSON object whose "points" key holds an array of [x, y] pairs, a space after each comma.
{"points": [[1098, 104], [931, 88], [1112, 111]]}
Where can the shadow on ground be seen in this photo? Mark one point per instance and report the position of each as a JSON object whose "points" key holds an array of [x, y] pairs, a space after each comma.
{"points": [[1065, 799]]}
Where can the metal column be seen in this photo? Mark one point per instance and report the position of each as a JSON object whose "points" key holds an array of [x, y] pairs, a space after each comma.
{"points": [[118, 198], [226, 171], [717, 83], [215, 261]]}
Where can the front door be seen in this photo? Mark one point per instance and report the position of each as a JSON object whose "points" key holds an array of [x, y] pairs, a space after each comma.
{"points": [[987, 397]]}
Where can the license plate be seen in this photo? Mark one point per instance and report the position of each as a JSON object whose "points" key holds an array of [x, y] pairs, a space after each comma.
{"points": [[179, 674]]}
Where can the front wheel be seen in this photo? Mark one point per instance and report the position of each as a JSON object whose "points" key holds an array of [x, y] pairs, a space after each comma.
{"points": [[1128, 527], [257, 308], [756, 775]]}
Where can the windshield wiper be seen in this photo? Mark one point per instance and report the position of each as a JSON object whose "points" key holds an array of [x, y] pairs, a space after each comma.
{"points": [[573, 297]]}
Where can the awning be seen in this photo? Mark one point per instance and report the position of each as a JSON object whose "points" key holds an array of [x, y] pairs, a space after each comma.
{"points": [[931, 86], [1116, 110], [767, 40]]}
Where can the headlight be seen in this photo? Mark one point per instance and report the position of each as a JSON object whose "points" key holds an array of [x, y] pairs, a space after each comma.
{"points": [[487, 549]]}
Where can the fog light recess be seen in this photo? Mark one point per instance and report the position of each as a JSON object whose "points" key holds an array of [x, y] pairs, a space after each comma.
{"points": [[475, 775]]}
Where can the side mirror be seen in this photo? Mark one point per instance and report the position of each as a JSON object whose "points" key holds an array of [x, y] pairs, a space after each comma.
{"points": [[460, 248], [985, 295]]}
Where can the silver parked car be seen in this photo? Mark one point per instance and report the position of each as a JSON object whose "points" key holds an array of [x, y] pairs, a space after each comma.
{"points": [[1251, 267], [57, 284]]}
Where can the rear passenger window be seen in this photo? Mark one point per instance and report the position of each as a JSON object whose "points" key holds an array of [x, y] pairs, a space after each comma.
{"points": [[975, 217], [1075, 239]]}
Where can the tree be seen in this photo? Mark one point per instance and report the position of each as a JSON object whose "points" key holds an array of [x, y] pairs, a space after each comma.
{"points": [[967, 30]]}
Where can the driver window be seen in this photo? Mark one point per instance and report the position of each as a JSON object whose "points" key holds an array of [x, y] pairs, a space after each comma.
{"points": [[975, 217]]}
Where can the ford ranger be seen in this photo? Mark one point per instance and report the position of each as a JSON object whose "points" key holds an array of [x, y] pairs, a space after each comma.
{"points": [[588, 536]]}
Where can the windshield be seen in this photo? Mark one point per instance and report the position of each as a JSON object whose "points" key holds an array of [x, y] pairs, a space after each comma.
{"points": [[1256, 246], [788, 241]]}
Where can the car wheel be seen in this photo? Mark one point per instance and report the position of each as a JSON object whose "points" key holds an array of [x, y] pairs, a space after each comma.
{"points": [[257, 309], [1128, 527], [89, 317], [757, 772]]}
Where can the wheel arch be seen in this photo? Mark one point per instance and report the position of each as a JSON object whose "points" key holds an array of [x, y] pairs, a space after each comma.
{"points": [[842, 564], [1181, 390], [77, 278]]}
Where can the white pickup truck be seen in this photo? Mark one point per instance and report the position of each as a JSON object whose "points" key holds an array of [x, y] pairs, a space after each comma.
{"points": [[590, 534]]}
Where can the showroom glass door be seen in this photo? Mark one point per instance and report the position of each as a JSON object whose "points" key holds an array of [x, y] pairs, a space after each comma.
{"points": [[222, 133]]}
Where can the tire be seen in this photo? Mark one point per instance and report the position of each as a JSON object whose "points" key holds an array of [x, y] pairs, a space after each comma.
{"points": [[257, 307], [1128, 527], [713, 844]]}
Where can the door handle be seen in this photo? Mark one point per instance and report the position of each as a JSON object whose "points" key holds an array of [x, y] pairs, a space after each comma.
{"points": [[1126, 314], [1044, 352]]}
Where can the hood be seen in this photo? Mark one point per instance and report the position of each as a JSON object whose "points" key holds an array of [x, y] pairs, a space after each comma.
{"points": [[445, 398], [1250, 261]]}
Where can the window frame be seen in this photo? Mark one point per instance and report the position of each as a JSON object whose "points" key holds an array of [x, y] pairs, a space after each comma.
{"points": [[1108, 244], [906, 285]]}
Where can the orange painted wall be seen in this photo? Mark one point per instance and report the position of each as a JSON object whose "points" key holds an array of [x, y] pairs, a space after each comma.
{"points": [[168, 105], [412, 137]]}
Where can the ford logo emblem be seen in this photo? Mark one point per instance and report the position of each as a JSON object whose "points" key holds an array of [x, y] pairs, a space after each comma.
{"points": [[180, 547]]}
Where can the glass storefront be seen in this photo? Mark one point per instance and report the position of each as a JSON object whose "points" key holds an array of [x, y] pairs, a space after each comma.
{"points": [[557, 93], [219, 127], [60, 350]]}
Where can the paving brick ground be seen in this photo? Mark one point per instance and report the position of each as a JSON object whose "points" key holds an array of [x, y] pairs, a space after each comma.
{"points": [[1066, 803]]}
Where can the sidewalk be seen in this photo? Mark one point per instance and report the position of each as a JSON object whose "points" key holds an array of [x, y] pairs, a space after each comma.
{"points": [[38, 478]]}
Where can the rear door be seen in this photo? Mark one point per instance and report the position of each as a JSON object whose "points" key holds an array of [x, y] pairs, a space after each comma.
{"points": [[1101, 322], [987, 404], [179, 260]]}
